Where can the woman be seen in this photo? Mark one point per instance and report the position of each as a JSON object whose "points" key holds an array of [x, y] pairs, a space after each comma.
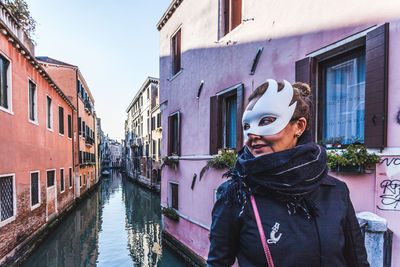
{"points": [[306, 215]]}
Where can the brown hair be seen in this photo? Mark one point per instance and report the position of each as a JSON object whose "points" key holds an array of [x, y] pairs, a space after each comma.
{"points": [[301, 95]]}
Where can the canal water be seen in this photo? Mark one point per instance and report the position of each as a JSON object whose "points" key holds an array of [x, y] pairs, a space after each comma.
{"points": [[119, 224]]}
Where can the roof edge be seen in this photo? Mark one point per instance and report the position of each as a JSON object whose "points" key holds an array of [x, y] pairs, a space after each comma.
{"points": [[168, 13], [144, 85]]}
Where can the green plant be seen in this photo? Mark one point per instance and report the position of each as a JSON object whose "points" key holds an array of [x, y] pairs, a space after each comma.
{"points": [[20, 10], [170, 213], [226, 158], [353, 155], [170, 161]]}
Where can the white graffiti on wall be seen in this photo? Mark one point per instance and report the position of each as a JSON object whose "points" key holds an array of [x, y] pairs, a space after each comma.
{"points": [[388, 184]]}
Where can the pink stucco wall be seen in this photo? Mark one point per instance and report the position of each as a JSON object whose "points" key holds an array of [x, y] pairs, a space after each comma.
{"points": [[288, 32]]}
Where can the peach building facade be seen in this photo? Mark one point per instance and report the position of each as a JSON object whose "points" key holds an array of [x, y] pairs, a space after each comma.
{"points": [[213, 54], [36, 151], [71, 80]]}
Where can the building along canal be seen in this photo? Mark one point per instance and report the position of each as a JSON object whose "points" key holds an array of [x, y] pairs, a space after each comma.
{"points": [[118, 224]]}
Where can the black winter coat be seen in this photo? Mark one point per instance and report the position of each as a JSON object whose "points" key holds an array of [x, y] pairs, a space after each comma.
{"points": [[333, 239]]}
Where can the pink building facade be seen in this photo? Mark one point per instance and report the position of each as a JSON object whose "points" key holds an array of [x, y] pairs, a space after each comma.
{"points": [[213, 54], [36, 148]]}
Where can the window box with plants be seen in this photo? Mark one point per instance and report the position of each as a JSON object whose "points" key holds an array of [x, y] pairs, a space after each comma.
{"points": [[171, 161], [352, 159], [225, 159], [170, 213]]}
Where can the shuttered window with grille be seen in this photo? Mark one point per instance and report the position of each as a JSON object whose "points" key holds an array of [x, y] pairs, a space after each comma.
{"points": [[34, 188], [6, 197]]}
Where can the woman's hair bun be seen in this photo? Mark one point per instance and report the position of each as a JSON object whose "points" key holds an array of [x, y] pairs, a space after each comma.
{"points": [[303, 88]]}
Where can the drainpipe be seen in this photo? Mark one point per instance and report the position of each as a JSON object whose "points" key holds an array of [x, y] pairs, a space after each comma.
{"points": [[77, 116]]}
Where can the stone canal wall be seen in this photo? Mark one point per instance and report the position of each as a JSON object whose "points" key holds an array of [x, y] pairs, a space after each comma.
{"points": [[30, 240]]}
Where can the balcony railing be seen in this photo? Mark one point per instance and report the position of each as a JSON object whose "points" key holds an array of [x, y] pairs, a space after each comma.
{"points": [[89, 141]]}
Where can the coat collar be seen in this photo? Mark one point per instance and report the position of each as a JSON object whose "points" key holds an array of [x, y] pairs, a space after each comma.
{"points": [[328, 180]]}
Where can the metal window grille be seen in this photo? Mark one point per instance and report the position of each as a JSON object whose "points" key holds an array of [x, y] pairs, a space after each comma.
{"points": [[387, 248], [34, 188], [6, 197]]}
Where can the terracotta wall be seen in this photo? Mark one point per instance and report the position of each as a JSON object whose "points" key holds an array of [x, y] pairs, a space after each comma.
{"points": [[27, 146]]}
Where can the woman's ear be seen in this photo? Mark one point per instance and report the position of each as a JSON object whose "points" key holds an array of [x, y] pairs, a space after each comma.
{"points": [[301, 125]]}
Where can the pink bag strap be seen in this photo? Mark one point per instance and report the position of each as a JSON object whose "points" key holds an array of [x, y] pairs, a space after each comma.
{"points": [[261, 232]]}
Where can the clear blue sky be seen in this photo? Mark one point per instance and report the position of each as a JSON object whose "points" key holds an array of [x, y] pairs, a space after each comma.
{"points": [[114, 43]]}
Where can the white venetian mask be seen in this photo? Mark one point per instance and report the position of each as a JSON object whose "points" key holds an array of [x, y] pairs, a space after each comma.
{"points": [[271, 104]]}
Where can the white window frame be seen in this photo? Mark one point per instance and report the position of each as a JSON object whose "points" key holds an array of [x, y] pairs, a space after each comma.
{"points": [[58, 112], [62, 191], [9, 88], [72, 180], [55, 178], [36, 121], [49, 127], [39, 198], [72, 128], [12, 218], [170, 193]]}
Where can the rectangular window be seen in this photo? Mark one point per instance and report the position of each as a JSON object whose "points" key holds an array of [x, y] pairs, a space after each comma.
{"points": [[230, 15], [174, 134], [229, 122], [70, 177], [153, 148], [84, 179], [69, 126], [7, 201], [60, 120], [173, 196], [80, 180], [225, 119], [153, 123], [83, 128], [51, 178], [34, 188], [158, 120], [176, 52], [49, 114], [159, 147], [79, 126], [4, 90], [343, 81], [32, 101], [62, 182]]}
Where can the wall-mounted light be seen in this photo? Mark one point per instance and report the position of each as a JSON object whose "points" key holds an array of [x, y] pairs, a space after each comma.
{"points": [[199, 91], [255, 61]]}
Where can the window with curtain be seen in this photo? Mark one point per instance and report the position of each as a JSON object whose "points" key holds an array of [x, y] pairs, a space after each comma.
{"points": [[344, 100], [229, 124], [49, 114]]}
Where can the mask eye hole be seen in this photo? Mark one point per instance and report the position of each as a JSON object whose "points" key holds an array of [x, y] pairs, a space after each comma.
{"points": [[246, 126], [266, 121]]}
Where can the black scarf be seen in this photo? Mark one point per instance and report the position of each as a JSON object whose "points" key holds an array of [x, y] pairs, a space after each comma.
{"points": [[290, 176]]}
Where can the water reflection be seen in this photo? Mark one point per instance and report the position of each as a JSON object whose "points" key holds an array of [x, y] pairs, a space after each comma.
{"points": [[118, 225]]}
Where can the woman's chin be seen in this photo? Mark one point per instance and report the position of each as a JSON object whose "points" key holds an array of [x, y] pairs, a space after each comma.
{"points": [[261, 151]]}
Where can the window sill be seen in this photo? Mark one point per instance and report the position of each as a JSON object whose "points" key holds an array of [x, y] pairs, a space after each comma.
{"points": [[6, 110], [223, 39], [60, 134], [7, 221], [50, 130], [175, 75], [34, 122], [35, 206]]}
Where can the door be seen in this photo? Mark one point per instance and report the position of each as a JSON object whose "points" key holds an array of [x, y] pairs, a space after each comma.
{"points": [[51, 192]]}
